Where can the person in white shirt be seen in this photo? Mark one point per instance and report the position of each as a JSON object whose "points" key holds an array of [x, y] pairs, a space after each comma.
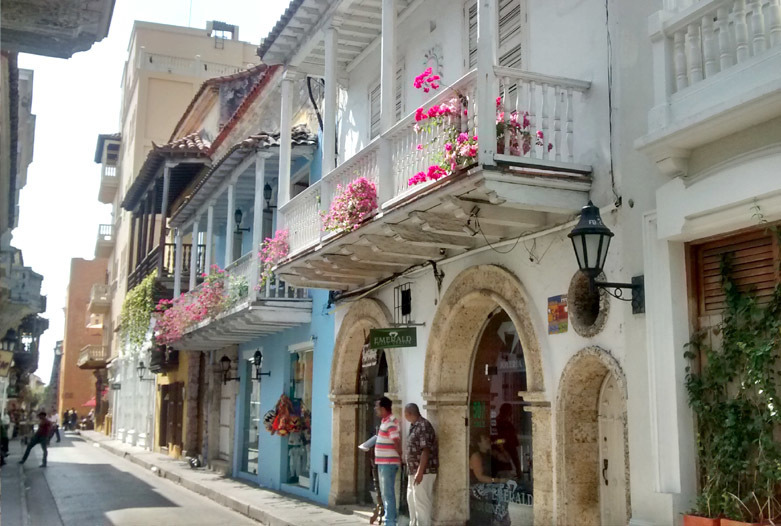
{"points": [[54, 418]]}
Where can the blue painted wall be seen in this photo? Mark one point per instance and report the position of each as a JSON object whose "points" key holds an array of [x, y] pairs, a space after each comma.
{"points": [[273, 468]]}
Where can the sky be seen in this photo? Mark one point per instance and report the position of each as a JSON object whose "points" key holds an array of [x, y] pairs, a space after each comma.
{"points": [[74, 100]]}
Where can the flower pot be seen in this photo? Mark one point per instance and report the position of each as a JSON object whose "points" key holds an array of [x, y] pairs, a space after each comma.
{"points": [[696, 520], [731, 522]]}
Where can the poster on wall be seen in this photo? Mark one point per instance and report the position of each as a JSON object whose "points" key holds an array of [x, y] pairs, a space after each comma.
{"points": [[557, 314], [6, 357]]}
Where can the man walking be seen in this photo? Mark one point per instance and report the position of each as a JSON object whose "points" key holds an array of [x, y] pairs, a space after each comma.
{"points": [[41, 437], [387, 456], [422, 463]]}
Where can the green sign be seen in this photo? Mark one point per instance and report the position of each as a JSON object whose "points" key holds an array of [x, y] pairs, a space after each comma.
{"points": [[393, 338]]}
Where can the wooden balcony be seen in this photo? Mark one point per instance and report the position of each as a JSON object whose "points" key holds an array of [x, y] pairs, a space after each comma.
{"points": [[164, 261], [716, 66], [93, 356], [521, 193], [100, 299], [109, 183], [272, 308], [105, 243]]}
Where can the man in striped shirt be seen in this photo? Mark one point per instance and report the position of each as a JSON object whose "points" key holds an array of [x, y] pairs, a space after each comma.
{"points": [[387, 456]]}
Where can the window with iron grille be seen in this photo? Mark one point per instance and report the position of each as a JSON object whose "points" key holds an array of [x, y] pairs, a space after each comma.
{"points": [[402, 304]]}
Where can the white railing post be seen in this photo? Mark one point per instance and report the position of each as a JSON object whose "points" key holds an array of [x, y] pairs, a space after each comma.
{"points": [[330, 102], [209, 234], [257, 219], [178, 255], [285, 137], [194, 255], [387, 100], [228, 223], [486, 81]]}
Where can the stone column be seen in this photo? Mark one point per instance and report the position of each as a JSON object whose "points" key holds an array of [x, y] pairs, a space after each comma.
{"points": [[191, 399], [542, 461], [344, 448], [448, 413]]}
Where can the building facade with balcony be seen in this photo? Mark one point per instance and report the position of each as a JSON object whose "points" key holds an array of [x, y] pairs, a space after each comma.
{"points": [[166, 66], [473, 255]]}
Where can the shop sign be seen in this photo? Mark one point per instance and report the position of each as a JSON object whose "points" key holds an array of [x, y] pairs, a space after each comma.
{"points": [[116, 386], [368, 357], [393, 338], [6, 357]]}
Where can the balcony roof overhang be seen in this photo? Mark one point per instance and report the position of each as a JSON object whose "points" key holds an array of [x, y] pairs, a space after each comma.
{"points": [[297, 38], [238, 160], [246, 322], [460, 213]]}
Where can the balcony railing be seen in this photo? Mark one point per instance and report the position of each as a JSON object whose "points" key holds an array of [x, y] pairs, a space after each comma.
{"points": [[105, 232], [100, 298], [109, 183], [93, 356], [551, 106], [165, 261], [707, 37]]}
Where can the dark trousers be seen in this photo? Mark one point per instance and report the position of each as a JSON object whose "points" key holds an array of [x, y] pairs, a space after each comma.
{"points": [[55, 432], [37, 439]]}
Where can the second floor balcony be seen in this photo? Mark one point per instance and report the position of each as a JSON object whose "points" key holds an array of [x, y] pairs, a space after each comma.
{"points": [[106, 241], [716, 66], [100, 299], [93, 356]]}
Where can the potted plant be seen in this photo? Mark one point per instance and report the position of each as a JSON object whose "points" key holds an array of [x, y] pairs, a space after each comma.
{"points": [[702, 514], [735, 400]]}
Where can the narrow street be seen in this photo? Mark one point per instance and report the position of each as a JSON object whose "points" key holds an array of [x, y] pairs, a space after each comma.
{"points": [[85, 485]]}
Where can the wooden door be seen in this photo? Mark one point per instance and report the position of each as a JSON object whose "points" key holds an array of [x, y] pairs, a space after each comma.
{"points": [[162, 437], [612, 462]]}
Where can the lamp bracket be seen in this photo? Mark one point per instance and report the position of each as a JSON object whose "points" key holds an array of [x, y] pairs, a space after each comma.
{"points": [[258, 375], [637, 287]]}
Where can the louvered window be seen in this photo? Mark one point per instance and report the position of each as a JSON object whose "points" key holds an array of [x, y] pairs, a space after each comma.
{"points": [[512, 18], [399, 91], [753, 258], [375, 110]]}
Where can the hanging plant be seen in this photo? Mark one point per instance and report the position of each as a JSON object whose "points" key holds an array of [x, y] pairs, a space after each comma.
{"points": [[735, 399], [351, 206], [137, 313]]}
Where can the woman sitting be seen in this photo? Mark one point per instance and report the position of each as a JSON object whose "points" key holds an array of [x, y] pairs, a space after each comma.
{"points": [[489, 492]]}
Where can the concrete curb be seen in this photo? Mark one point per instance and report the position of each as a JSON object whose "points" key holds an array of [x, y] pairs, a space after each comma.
{"points": [[263, 516]]}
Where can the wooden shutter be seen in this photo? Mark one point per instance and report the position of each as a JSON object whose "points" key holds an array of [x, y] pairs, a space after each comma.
{"points": [[512, 18], [754, 260], [399, 90], [374, 110], [162, 438]]}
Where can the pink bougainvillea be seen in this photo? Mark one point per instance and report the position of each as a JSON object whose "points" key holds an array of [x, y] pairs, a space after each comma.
{"points": [[453, 149], [272, 251], [351, 206]]}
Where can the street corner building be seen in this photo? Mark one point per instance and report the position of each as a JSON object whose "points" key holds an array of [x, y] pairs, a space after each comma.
{"points": [[514, 216]]}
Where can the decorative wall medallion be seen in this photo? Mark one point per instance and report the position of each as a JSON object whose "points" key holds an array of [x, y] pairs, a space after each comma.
{"points": [[433, 59]]}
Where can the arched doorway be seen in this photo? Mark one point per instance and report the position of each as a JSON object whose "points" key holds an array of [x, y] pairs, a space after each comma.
{"points": [[475, 296], [593, 486], [352, 399]]}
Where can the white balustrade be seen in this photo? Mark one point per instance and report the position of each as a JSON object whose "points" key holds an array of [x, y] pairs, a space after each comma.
{"points": [[711, 36], [546, 100], [548, 103]]}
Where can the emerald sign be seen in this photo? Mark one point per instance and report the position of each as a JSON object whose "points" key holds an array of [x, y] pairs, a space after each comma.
{"points": [[393, 338]]}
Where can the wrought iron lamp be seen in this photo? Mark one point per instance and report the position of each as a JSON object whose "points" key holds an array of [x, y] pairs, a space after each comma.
{"points": [[257, 361], [267, 191], [237, 217], [591, 241], [141, 369], [225, 363]]}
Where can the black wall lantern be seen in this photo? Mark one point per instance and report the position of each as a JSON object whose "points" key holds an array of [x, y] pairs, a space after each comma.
{"points": [[237, 217], [257, 361], [141, 369], [591, 241], [267, 195], [225, 364]]}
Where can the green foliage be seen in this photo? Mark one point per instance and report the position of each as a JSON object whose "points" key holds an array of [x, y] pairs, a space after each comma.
{"points": [[137, 312], [735, 399], [237, 290]]}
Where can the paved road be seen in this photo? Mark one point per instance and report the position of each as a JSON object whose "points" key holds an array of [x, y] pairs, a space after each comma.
{"points": [[85, 486]]}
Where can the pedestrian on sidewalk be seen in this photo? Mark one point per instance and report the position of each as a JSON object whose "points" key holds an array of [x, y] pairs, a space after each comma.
{"points": [[74, 416], [41, 437], [387, 456], [422, 463], [54, 419]]}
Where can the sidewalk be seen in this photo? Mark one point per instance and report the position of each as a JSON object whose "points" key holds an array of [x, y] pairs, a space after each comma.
{"points": [[267, 507]]}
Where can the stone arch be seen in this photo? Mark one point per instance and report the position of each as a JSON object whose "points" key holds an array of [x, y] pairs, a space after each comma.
{"points": [[577, 434], [363, 315], [458, 324]]}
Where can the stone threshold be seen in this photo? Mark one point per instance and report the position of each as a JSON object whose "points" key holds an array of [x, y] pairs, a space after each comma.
{"points": [[260, 504]]}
